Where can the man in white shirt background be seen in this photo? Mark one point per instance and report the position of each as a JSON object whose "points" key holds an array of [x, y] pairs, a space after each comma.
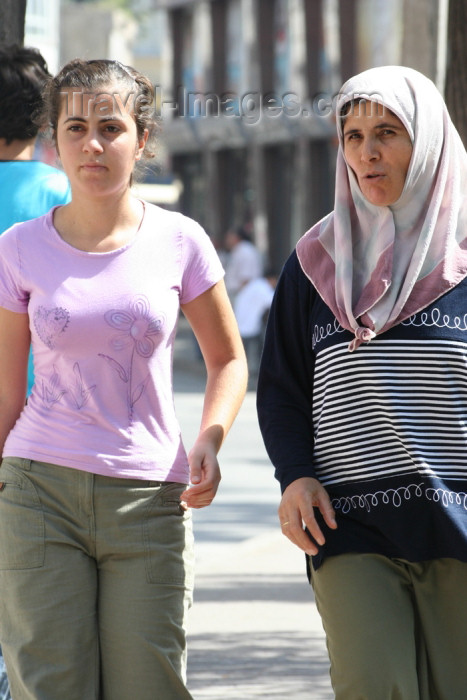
{"points": [[251, 307], [244, 262]]}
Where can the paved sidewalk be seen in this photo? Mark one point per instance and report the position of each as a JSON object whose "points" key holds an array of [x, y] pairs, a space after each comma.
{"points": [[254, 631]]}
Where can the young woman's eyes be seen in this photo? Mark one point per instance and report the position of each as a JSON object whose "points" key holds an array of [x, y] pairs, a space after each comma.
{"points": [[107, 128]]}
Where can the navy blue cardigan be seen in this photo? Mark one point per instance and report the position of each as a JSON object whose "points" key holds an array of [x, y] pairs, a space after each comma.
{"points": [[384, 428]]}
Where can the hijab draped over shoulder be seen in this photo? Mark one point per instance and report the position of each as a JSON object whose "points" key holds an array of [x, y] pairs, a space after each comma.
{"points": [[376, 266]]}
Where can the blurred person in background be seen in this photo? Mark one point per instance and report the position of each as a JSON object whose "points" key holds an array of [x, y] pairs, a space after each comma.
{"points": [[244, 261], [28, 187], [251, 307]]}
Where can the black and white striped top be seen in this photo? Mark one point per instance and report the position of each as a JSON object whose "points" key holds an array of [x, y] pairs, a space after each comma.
{"points": [[384, 428], [399, 407]]}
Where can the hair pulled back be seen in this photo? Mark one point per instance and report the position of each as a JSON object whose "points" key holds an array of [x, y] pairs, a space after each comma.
{"points": [[102, 73]]}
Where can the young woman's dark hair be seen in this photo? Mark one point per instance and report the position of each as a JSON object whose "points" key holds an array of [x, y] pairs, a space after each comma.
{"points": [[23, 74], [102, 73]]}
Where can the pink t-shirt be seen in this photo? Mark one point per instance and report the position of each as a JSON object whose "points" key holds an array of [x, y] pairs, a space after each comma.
{"points": [[103, 327]]}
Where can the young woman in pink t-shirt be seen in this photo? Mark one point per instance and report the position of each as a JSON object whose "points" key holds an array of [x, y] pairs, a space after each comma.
{"points": [[96, 566]]}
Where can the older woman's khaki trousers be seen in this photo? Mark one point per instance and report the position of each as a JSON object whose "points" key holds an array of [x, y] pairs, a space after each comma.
{"points": [[395, 630], [96, 577]]}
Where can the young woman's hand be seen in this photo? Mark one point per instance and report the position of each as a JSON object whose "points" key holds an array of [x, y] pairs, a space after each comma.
{"points": [[205, 476]]}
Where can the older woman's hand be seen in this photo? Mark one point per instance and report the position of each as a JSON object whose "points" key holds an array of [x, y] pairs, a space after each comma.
{"points": [[296, 511]]}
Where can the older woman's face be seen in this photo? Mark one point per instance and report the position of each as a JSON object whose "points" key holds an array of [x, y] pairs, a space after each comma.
{"points": [[378, 148]]}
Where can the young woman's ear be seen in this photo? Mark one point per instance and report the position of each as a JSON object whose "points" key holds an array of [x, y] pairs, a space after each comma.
{"points": [[142, 144]]}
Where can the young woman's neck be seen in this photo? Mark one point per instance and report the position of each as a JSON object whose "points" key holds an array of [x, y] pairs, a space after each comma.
{"points": [[99, 225]]}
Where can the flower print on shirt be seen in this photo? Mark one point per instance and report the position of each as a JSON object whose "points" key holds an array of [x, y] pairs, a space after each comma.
{"points": [[136, 328], [80, 392], [53, 391]]}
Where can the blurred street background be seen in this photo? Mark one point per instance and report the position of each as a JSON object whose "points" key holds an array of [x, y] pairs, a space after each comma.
{"points": [[254, 631], [245, 92]]}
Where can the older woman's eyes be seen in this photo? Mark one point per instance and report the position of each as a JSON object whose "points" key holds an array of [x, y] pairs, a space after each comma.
{"points": [[388, 132]]}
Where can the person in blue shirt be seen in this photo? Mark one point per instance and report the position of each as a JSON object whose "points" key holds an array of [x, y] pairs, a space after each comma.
{"points": [[28, 187]]}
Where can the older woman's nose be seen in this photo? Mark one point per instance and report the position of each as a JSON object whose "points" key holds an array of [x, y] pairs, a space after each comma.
{"points": [[369, 149]]}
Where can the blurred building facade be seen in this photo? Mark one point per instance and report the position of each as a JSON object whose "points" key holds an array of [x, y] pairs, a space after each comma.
{"points": [[42, 29], [247, 107], [245, 94], [92, 30]]}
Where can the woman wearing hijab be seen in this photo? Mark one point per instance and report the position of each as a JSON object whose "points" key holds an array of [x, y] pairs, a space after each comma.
{"points": [[362, 395]]}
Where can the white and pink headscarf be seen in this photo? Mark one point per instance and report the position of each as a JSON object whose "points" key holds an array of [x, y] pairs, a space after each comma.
{"points": [[375, 266]]}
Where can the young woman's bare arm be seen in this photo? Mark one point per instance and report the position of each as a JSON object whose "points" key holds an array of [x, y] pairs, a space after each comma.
{"points": [[213, 322], [14, 349]]}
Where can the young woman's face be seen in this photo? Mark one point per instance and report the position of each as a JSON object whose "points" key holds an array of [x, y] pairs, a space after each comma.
{"points": [[378, 148], [97, 140]]}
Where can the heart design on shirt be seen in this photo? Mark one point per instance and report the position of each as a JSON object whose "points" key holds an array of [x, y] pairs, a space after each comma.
{"points": [[50, 323]]}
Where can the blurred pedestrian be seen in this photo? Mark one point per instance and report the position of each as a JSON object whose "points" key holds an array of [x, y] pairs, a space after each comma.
{"points": [[244, 261], [251, 307], [28, 188], [96, 574], [362, 395]]}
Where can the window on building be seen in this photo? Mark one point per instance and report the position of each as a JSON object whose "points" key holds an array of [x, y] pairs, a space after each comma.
{"points": [[176, 21], [227, 41], [281, 47], [189, 73], [234, 47], [187, 48]]}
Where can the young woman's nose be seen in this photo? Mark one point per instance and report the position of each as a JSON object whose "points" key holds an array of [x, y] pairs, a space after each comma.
{"points": [[92, 143]]}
